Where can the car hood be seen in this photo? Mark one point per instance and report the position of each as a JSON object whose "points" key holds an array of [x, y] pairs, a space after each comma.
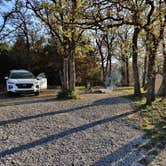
{"points": [[22, 80]]}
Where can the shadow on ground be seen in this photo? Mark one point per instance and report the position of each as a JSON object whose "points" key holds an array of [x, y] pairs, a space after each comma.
{"points": [[142, 150], [26, 101], [107, 101], [62, 134]]}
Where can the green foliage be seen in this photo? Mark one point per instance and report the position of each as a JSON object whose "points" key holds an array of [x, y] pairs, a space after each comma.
{"points": [[154, 115], [87, 68], [152, 119], [66, 94], [5, 61]]}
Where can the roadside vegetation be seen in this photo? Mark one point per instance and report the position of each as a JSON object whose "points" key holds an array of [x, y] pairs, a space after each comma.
{"points": [[152, 120], [80, 41], [68, 95]]}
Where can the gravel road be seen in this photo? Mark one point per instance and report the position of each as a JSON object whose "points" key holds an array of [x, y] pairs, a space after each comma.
{"points": [[94, 130]]}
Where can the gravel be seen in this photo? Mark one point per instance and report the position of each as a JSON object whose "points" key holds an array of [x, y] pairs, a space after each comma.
{"points": [[94, 130]]}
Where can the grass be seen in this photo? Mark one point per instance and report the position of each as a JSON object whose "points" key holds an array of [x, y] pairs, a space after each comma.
{"points": [[67, 95], [150, 116], [152, 119]]}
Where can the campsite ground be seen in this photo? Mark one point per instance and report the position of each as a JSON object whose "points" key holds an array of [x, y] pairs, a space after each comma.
{"points": [[97, 129]]}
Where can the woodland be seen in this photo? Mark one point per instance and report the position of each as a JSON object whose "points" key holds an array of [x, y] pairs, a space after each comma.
{"points": [[79, 41]]}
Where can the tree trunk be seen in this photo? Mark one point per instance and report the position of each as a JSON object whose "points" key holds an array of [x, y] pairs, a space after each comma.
{"points": [[99, 45], [144, 72], [152, 45], [151, 79], [123, 79], [65, 84], [127, 72], [110, 63], [103, 69], [72, 73], [137, 90], [162, 90], [164, 63], [164, 69], [69, 74]]}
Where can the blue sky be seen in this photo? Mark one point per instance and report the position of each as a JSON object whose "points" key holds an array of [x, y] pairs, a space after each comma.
{"points": [[5, 6]]}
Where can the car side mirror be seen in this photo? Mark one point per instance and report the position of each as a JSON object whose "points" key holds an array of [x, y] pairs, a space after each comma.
{"points": [[6, 78]]}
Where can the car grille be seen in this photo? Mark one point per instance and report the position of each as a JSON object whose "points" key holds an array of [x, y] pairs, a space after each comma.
{"points": [[24, 86]]}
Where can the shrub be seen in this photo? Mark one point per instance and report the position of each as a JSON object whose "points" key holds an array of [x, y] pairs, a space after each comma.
{"points": [[67, 94]]}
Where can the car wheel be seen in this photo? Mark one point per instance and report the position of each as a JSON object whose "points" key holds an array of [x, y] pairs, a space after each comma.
{"points": [[36, 93], [9, 94]]}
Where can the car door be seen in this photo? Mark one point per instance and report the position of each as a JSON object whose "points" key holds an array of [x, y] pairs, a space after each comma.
{"points": [[42, 81]]}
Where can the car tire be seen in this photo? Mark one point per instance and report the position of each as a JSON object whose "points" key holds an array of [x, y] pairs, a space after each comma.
{"points": [[36, 93], [9, 94]]}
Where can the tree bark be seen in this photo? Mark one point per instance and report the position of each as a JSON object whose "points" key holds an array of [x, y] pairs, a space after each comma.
{"points": [[65, 84], [99, 45], [144, 72], [152, 49], [69, 72], [72, 73], [151, 79], [162, 90], [127, 72], [110, 61], [164, 69], [137, 90], [109, 47], [123, 71]]}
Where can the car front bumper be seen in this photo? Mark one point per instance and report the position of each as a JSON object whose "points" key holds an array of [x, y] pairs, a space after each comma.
{"points": [[17, 90]]}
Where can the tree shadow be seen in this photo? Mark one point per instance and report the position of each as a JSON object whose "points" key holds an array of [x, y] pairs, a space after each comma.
{"points": [[17, 120], [142, 150], [27, 101], [62, 134], [110, 101]]}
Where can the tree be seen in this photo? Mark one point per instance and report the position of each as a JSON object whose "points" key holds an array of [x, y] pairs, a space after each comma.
{"points": [[162, 90], [144, 14], [104, 42], [5, 60], [123, 47], [20, 60], [154, 31], [164, 67], [60, 18], [145, 62], [137, 90], [99, 42], [127, 13], [109, 37]]}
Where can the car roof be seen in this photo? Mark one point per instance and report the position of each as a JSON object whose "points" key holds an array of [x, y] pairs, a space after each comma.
{"points": [[19, 70]]}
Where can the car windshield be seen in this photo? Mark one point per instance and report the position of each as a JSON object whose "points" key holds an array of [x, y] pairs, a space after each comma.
{"points": [[21, 75]]}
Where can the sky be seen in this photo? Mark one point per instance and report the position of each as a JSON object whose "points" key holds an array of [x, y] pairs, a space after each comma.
{"points": [[5, 6]]}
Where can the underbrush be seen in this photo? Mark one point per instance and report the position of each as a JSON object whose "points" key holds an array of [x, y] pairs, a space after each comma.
{"points": [[67, 94], [152, 120], [150, 116]]}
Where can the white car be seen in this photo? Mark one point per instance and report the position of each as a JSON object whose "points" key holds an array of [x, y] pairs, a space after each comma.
{"points": [[24, 82]]}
